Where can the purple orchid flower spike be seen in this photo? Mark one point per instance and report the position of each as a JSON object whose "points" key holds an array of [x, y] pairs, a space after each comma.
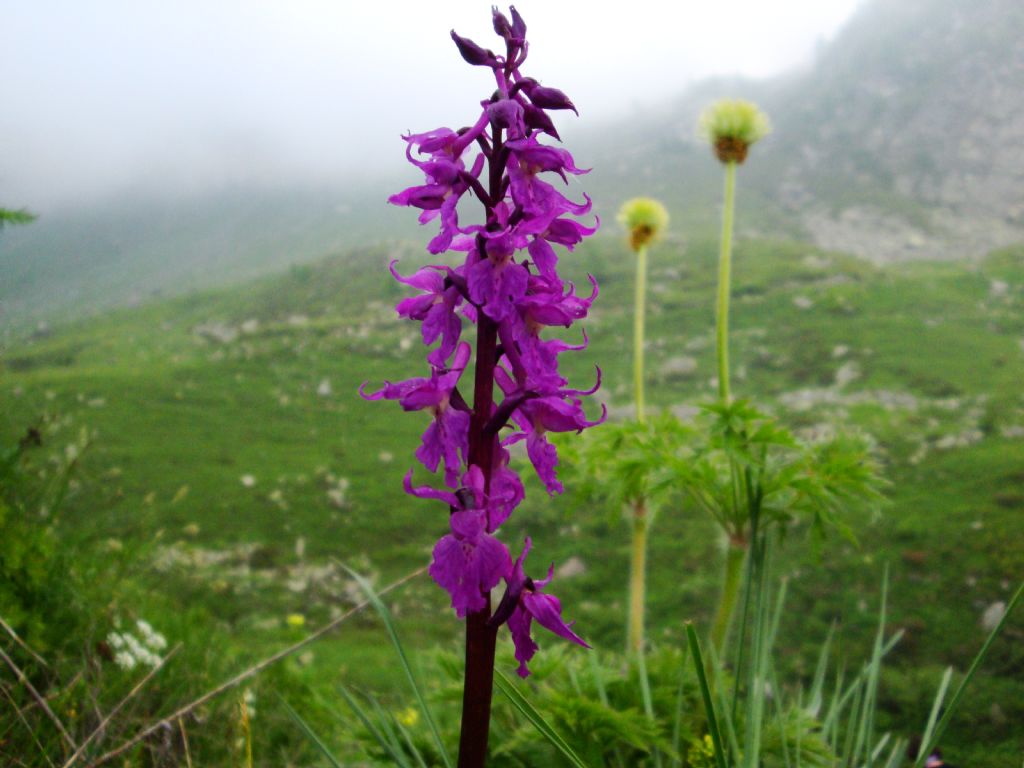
{"points": [[507, 284], [523, 603]]}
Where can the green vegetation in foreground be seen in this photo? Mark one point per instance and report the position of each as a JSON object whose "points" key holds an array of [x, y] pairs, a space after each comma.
{"points": [[230, 460]]}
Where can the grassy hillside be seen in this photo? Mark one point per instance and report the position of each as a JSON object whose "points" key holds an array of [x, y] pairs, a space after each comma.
{"points": [[230, 463]]}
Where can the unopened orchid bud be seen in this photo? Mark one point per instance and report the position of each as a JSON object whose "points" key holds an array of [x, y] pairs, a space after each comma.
{"points": [[473, 53], [518, 25], [501, 24], [550, 98], [537, 119]]}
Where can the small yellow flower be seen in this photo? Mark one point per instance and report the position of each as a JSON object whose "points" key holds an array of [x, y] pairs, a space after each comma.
{"points": [[731, 126], [295, 620], [408, 717], [644, 218]]}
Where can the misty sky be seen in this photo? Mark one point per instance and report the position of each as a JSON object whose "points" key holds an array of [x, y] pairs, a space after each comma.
{"points": [[106, 97]]}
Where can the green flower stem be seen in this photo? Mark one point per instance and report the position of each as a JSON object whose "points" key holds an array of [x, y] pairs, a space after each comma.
{"points": [[724, 272], [735, 556], [638, 331], [637, 576]]}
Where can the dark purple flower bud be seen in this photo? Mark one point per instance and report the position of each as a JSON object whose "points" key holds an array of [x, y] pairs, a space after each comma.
{"points": [[537, 119], [429, 197], [472, 52], [501, 24], [506, 113], [518, 25], [550, 98]]}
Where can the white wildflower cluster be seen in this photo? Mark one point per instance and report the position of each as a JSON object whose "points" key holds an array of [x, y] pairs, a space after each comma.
{"points": [[131, 651]]}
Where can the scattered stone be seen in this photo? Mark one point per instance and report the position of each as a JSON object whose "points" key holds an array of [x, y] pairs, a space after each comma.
{"points": [[998, 288], [839, 351], [574, 566], [248, 481], [250, 326], [222, 333], [679, 367], [993, 615], [386, 457], [802, 302], [298, 321], [324, 389], [848, 372]]}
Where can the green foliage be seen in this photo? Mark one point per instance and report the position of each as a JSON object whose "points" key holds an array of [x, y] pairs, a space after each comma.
{"points": [[37, 597], [623, 463], [172, 407], [742, 462], [9, 217]]}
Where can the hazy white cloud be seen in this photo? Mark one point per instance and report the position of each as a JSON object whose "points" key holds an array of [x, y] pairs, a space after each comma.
{"points": [[107, 95]]}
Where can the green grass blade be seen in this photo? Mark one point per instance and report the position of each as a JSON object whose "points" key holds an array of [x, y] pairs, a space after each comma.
{"points": [[412, 747], [530, 712], [705, 693], [645, 692], [602, 695], [818, 684], [310, 734], [927, 745], [364, 718], [387, 724], [385, 615], [933, 716], [678, 721]]}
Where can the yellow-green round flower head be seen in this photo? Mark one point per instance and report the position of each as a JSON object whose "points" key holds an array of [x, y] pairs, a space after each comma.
{"points": [[732, 126], [644, 219]]}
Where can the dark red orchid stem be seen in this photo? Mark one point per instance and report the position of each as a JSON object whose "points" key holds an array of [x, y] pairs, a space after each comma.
{"points": [[478, 684], [478, 679]]}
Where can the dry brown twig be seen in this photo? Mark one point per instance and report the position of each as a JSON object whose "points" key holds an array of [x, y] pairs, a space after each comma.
{"points": [[14, 636], [29, 728], [252, 671], [120, 705], [38, 698]]}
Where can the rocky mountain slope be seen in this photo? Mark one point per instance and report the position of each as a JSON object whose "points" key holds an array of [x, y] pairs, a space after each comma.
{"points": [[905, 139]]}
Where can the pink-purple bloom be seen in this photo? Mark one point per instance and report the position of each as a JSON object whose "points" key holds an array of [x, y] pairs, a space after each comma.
{"points": [[508, 284]]}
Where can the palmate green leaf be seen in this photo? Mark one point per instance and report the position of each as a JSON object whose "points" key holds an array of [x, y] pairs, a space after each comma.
{"points": [[625, 462], [530, 713]]}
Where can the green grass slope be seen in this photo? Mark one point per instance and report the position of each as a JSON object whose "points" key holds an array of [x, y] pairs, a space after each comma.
{"points": [[231, 462]]}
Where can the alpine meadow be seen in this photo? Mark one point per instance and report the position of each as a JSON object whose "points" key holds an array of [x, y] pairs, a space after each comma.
{"points": [[687, 433]]}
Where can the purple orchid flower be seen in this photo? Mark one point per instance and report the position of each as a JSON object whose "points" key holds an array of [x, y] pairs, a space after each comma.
{"points": [[468, 562], [447, 437], [507, 284], [434, 308], [523, 603]]}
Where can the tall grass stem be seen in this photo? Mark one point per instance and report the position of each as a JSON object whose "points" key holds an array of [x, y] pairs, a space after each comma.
{"points": [[724, 279]]}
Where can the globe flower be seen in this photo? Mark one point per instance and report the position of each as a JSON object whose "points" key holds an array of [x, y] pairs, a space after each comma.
{"points": [[645, 219], [505, 282], [732, 126]]}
